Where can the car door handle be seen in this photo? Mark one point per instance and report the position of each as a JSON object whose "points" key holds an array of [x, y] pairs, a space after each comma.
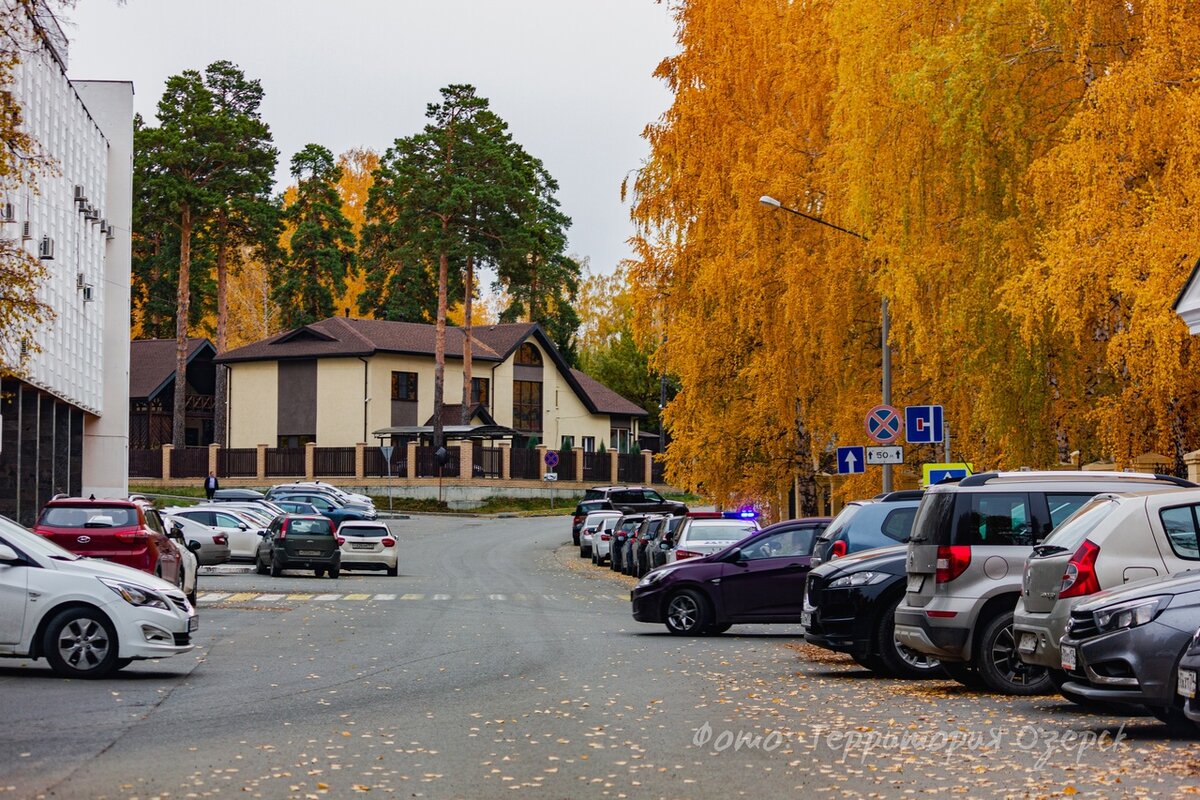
{"points": [[795, 568]]}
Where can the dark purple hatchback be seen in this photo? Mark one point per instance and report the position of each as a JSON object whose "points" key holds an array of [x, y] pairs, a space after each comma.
{"points": [[759, 579]]}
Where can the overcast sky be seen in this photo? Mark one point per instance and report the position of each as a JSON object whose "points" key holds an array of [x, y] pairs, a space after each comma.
{"points": [[571, 77]]}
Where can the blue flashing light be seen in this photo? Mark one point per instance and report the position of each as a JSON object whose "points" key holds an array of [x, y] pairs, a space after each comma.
{"points": [[745, 513]]}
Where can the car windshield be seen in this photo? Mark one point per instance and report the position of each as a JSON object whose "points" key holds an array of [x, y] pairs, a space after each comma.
{"points": [[365, 531], [840, 522], [1075, 528], [718, 530], [88, 517], [30, 542]]}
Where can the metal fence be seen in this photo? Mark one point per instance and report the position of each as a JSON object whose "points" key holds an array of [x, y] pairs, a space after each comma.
{"points": [[145, 463], [375, 466], [333, 461], [427, 466], [656, 471], [189, 462], [629, 468], [523, 464], [489, 461], [237, 462], [285, 461], [596, 467], [566, 465]]}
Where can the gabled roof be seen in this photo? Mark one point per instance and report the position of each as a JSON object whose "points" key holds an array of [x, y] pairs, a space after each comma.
{"points": [[604, 399], [346, 336], [452, 415], [152, 363]]}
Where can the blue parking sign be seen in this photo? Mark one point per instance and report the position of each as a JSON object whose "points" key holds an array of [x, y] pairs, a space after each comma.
{"points": [[923, 424], [851, 460]]}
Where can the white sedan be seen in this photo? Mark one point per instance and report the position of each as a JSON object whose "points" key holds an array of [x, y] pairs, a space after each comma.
{"points": [[86, 617], [239, 527], [602, 539], [702, 536], [368, 544]]}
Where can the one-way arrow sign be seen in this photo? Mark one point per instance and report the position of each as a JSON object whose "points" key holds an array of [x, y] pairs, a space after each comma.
{"points": [[851, 460]]}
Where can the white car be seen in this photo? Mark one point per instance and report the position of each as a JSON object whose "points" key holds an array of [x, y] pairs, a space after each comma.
{"points": [[342, 494], [700, 536], [189, 565], [213, 546], [602, 539], [590, 524], [86, 617], [367, 544], [239, 527]]}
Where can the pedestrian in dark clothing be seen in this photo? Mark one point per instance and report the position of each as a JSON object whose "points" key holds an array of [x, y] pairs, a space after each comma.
{"points": [[211, 486]]}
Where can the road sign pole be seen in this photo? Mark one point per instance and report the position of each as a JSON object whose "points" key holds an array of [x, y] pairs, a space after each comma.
{"points": [[887, 385], [946, 429]]}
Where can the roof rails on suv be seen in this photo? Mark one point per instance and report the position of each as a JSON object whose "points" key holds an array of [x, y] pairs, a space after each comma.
{"points": [[985, 478], [898, 495]]}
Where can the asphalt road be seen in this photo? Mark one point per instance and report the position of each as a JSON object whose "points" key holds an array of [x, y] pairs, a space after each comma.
{"points": [[500, 663]]}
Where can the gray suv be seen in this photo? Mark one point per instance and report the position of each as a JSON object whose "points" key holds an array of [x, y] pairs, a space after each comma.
{"points": [[965, 563]]}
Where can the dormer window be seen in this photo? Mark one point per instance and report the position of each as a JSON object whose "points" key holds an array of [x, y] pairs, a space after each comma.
{"points": [[529, 356]]}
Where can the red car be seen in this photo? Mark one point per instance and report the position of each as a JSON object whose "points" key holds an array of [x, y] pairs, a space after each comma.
{"points": [[122, 531]]}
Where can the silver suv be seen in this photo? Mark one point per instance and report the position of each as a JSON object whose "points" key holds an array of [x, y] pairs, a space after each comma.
{"points": [[965, 562]]}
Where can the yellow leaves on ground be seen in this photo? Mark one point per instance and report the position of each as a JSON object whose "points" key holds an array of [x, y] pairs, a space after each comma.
{"points": [[1022, 177]]}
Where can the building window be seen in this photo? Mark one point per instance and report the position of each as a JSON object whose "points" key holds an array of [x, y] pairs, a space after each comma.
{"points": [[294, 442], [404, 386], [589, 444], [527, 405], [620, 440], [568, 443], [481, 391], [529, 356]]}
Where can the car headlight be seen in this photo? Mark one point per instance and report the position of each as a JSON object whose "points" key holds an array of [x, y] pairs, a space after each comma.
{"points": [[864, 578], [137, 595], [1129, 614], [653, 577]]}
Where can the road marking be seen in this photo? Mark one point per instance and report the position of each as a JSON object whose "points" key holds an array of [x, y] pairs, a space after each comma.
{"points": [[495, 597], [409, 597], [270, 598], [386, 597], [292, 597], [468, 597], [357, 597], [212, 597], [549, 597], [441, 597], [242, 597], [327, 597]]}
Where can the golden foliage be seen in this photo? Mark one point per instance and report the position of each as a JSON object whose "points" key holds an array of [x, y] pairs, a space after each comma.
{"points": [[1022, 174]]}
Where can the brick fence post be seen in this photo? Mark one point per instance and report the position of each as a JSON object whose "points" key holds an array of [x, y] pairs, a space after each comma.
{"points": [[260, 462], [541, 457], [466, 459], [614, 466], [166, 457], [1192, 460], [214, 458], [310, 458], [505, 461], [360, 460], [578, 476], [648, 466], [410, 461]]}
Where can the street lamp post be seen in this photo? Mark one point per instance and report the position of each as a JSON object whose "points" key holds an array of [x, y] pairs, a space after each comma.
{"points": [[772, 203]]}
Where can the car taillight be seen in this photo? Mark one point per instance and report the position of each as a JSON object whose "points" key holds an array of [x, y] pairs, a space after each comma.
{"points": [[952, 561], [282, 530], [576, 520], [220, 538], [341, 540], [389, 542], [686, 554], [604, 537], [838, 550], [130, 536], [1080, 577]]}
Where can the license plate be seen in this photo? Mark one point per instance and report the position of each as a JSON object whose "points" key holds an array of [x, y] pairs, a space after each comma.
{"points": [[1068, 658], [915, 582], [362, 546], [193, 624], [1028, 642], [806, 619], [308, 552], [1186, 685]]}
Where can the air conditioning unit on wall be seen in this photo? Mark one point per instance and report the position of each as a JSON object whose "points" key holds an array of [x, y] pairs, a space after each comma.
{"points": [[8, 213], [46, 249], [26, 230], [87, 294]]}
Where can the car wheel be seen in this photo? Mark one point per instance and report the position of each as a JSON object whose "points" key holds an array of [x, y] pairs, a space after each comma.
{"points": [[191, 596], [276, 570], [897, 659], [319, 572], [1000, 666], [259, 566], [393, 571], [717, 630], [575, 538], [335, 571], [122, 663], [687, 613], [583, 552], [81, 643], [964, 674], [1175, 720]]}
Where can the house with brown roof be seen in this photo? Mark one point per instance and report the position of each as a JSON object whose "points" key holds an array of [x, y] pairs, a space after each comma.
{"points": [[152, 392], [341, 381]]}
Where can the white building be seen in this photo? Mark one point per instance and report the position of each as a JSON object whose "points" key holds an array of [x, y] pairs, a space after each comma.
{"points": [[64, 427]]}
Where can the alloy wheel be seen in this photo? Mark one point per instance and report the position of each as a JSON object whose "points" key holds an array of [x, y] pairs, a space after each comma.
{"points": [[683, 612], [83, 643], [1009, 664]]}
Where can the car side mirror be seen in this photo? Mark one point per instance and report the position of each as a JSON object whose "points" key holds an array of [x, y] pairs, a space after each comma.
{"points": [[177, 525], [194, 546], [664, 545], [735, 556], [243, 526], [264, 533], [8, 555]]}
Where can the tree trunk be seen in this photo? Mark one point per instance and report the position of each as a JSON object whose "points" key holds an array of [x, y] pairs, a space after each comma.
{"points": [[439, 363], [220, 407], [183, 297], [467, 293]]}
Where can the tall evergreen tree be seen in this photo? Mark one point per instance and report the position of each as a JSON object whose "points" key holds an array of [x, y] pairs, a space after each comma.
{"points": [[321, 249]]}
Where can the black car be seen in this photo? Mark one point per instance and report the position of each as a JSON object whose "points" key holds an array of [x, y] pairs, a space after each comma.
{"points": [[582, 509], [299, 541], [635, 499], [626, 528], [850, 605], [649, 535]]}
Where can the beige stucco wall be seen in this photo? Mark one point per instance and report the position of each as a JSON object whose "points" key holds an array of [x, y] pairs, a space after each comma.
{"points": [[340, 402], [253, 403]]}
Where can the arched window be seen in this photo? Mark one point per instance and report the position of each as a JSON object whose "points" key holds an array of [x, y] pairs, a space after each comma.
{"points": [[529, 356]]}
